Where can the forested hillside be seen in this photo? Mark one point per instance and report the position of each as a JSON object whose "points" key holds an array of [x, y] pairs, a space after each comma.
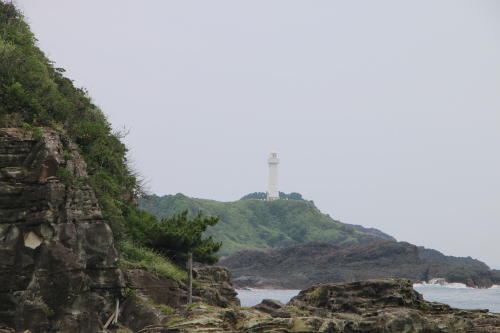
{"points": [[259, 224]]}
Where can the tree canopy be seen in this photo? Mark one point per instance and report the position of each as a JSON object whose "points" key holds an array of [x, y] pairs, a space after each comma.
{"points": [[176, 236], [262, 196]]}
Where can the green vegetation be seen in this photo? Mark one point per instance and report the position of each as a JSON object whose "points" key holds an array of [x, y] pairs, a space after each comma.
{"points": [[35, 94], [49, 312], [199, 305], [314, 296], [191, 306], [255, 195], [175, 237], [262, 196], [256, 223], [165, 309], [130, 292], [136, 256], [173, 320]]}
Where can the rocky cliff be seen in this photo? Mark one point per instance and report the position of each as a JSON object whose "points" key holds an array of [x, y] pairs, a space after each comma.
{"points": [[58, 264], [299, 266]]}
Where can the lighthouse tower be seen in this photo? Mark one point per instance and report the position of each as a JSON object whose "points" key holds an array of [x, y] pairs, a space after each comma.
{"points": [[272, 189]]}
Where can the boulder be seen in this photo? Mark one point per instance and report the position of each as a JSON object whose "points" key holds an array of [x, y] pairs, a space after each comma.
{"points": [[216, 287]]}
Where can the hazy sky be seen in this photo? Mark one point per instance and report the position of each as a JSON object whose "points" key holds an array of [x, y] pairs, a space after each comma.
{"points": [[385, 113]]}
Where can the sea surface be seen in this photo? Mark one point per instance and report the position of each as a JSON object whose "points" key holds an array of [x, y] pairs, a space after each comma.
{"points": [[456, 295]]}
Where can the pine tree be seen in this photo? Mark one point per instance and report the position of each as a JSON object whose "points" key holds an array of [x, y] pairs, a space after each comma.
{"points": [[175, 237]]}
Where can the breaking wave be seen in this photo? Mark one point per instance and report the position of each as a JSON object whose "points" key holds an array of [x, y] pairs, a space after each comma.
{"points": [[441, 282]]}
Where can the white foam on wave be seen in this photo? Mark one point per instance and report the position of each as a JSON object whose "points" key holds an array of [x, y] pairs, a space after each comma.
{"points": [[441, 282]]}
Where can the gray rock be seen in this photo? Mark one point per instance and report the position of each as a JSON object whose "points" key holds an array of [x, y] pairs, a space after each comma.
{"points": [[58, 264]]}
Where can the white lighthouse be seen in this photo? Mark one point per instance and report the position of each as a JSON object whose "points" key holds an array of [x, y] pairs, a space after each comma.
{"points": [[272, 189]]}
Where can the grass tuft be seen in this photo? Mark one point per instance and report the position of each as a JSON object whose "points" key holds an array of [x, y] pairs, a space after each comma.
{"points": [[138, 257], [299, 312], [165, 309]]}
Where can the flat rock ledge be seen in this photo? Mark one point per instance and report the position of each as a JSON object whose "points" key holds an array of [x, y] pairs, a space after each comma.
{"points": [[384, 305]]}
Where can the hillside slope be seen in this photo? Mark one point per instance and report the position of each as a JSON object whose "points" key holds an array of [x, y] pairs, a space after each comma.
{"points": [[261, 224]]}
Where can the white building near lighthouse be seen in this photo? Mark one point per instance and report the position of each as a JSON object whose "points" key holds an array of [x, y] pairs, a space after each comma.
{"points": [[272, 188]]}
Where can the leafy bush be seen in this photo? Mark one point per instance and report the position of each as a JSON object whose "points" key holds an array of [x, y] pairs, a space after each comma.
{"points": [[37, 134]]}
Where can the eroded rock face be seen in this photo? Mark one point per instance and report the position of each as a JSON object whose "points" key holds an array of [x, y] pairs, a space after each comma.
{"points": [[159, 289], [58, 264], [216, 287]]}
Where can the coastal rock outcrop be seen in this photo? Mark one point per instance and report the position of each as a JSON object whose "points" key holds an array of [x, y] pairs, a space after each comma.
{"points": [[215, 286], [376, 306], [302, 265], [153, 293], [58, 264]]}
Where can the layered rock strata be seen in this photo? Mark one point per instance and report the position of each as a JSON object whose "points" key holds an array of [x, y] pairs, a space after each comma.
{"points": [[58, 264]]}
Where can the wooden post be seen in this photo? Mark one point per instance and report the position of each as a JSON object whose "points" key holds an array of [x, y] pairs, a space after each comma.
{"points": [[109, 320], [190, 277], [117, 311]]}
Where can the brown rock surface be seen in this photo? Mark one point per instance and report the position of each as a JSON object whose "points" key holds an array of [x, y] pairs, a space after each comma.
{"points": [[58, 264]]}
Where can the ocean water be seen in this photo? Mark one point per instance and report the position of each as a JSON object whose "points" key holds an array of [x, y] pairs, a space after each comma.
{"points": [[454, 294], [459, 296], [251, 297]]}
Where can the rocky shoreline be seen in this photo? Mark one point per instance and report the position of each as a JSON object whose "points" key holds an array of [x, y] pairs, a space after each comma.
{"points": [[377, 306], [299, 266]]}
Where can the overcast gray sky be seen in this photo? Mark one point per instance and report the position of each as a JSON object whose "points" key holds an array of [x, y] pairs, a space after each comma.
{"points": [[385, 113]]}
